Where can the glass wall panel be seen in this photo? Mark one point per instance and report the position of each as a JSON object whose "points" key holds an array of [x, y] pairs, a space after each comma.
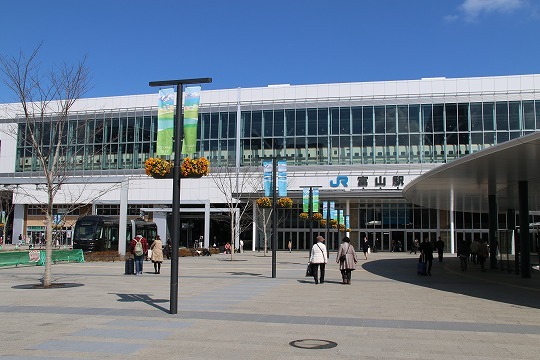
{"points": [[414, 118], [256, 124], [513, 115], [356, 114], [463, 117], [379, 120], [537, 108], [390, 119], [415, 149], [476, 117], [403, 118], [246, 121], [451, 117], [334, 121], [300, 122], [268, 123], [367, 153], [501, 111], [367, 120], [322, 122], [279, 122], [529, 120], [290, 121], [312, 121], [427, 118], [488, 116], [344, 120], [438, 118]]}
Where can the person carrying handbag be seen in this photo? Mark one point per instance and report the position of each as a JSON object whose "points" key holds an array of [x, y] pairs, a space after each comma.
{"points": [[318, 259], [346, 257]]}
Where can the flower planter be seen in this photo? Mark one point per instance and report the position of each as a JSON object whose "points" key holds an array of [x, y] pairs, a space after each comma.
{"points": [[168, 175]]}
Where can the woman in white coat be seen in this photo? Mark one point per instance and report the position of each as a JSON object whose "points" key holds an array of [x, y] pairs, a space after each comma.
{"points": [[318, 259]]}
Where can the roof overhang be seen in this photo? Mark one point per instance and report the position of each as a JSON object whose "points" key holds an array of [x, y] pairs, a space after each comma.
{"points": [[466, 183]]}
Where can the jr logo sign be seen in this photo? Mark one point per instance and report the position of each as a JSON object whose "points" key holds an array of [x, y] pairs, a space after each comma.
{"points": [[343, 180]]}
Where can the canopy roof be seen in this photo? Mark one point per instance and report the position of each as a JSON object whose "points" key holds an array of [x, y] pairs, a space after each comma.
{"points": [[469, 181]]}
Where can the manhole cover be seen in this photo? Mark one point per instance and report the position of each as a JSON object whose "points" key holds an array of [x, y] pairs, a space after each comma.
{"points": [[313, 344]]}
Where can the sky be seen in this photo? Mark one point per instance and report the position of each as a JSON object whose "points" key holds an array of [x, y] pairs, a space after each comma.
{"points": [[240, 43]]}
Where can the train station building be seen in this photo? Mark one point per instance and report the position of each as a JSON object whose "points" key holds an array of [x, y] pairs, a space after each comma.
{"points": [[360, 144]]}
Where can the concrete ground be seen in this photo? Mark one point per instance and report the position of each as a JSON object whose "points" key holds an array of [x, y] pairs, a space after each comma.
{"points": [[236, 310]]}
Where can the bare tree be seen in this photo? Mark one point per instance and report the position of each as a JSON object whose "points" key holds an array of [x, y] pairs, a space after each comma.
{"points": [[238, 188], [45, 101], [6, 208]]}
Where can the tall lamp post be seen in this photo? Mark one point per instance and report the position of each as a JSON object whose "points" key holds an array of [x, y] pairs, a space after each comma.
{"points": [[178, 137], [310, 209]]}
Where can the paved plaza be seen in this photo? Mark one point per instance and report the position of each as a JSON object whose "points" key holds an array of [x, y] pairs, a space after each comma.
{"points": [[236, 310]]}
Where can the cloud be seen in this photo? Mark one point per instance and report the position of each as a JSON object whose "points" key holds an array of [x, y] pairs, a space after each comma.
{"points": [[473, 8]]}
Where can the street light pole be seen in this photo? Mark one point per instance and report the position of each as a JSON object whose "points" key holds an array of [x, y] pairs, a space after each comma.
{"points": [[178, 138]]}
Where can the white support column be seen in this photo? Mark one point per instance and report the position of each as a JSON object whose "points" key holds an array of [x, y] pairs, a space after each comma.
{"points": [[452, 225], [122, 228], [255, 233], [207, 225], [18, 223], [160, 218]]}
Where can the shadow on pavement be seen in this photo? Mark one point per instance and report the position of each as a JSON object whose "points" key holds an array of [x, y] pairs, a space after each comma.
{"points": [[144, 299], [447, 276]]}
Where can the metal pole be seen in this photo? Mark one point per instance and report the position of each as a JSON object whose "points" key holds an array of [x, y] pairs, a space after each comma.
{"points": [[178, 137], [274, 215]]}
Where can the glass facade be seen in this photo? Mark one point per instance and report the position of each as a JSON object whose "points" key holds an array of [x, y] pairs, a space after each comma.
{"points": [[346, 135]]}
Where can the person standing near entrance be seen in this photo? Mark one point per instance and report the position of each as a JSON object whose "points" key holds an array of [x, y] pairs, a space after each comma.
{"points": [[426, 249], [346, 257], [439, 244], [289, 245], [318, 259], [415, 246], [138, 247], [463, 253], [365, 247]]}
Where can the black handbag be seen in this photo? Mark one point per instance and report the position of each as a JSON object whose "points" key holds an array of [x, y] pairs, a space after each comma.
{"points": [[309, 270]]}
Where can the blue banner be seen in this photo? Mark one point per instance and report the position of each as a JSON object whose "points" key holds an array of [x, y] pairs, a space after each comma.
{"points": [[325, 210], [267, 177], [333, 212], [282, 178], [347, 222]]}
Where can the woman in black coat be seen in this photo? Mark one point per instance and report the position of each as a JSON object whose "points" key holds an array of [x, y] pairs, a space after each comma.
{"points": [[365, 247]]}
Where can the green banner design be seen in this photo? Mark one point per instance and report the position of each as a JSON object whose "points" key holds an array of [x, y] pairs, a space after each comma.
{"points": [[305, 200], [164, 144], [315, 200], [191, 119]]}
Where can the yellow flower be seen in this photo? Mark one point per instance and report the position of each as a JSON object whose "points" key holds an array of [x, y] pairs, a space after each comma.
{"points": [[157, 166], [264, 202]]}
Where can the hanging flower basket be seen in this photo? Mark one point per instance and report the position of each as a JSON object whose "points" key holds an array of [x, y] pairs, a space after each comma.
{"points": [[264, 202], [195, 168], [341, 227], [158, 168], [322, 222], [333, 223], [285, 202], [304, 216], [348, 229], [317, 216]]}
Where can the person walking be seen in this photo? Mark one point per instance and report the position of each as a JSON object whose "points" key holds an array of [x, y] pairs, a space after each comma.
{"points": [[365, 247], [157, 254], [289, 245], [463, 253], [138, 247], [346, 257], [482, 254], [415, 246], [426, 249], [439, 244], [241, 248], [318, 259]]}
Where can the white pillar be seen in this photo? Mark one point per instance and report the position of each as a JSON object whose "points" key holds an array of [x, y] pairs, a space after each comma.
{"points": [[122, 228], [207, 225], [160, 218], [452, 225], [348, 213], [18, 223], [255, 233]]}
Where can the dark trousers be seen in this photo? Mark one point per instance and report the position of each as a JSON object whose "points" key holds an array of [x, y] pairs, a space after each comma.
{"points": [[482, 261], [440, 252], [429, 262], [463, 262], [315, 268], [346, 274]]}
